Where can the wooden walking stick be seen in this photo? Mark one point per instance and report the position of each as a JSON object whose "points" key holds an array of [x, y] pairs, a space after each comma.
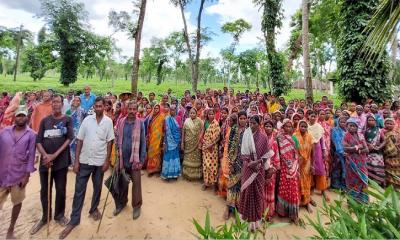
{"points": [[108, 193], [48, 200]]}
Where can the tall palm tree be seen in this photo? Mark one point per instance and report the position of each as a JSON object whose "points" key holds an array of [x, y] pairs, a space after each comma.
{"points": [[20, 37], [382, 29]]}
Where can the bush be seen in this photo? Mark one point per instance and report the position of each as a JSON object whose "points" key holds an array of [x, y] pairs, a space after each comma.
{"points": [[380, 219], [237, 229]]}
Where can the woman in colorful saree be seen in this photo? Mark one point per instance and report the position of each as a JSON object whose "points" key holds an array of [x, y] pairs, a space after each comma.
{"points": [[147, 117], [210, 150], [305, 162], [171, 167], [190, 145], [329, 117], [225, 123], [338, 174], [288, 192], [235, 164], [319, 153], [296, 119], [392, 153], [77, 115], [155, 138], [375, 143], [336, 116], [254, 155], [327, 138], [270, 178], [356, 150]]}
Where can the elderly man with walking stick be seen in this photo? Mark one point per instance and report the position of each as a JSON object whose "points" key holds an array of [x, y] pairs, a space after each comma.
{"points": [[93, 151], [54, 135], [132, 152]]}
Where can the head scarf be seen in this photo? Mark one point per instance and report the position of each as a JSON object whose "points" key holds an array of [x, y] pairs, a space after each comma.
{"points": [[296, 114], [352, 120], [389, 119], [285, 121]]}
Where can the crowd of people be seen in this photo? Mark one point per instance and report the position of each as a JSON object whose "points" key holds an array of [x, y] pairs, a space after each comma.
{"points": [[264, 156]]}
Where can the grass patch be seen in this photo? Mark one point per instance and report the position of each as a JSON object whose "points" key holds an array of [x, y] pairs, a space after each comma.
{"points": [[25, 83]]}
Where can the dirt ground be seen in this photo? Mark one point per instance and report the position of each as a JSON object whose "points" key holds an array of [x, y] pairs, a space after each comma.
{"points": [[167, 213]]}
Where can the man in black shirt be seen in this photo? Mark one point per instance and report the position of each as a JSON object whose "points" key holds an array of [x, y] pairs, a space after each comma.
{"points": [[55, 134]]}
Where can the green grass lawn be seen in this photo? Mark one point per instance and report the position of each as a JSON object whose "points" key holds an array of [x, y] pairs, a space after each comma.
{"points": [[25, 83]]}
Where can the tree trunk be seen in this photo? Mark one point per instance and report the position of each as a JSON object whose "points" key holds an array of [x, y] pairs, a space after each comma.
{"points": [[159, 71], [293, 54], [306, 49], [187, 40], [18, 50], [138, 36], [198, 42], [149, 77]]}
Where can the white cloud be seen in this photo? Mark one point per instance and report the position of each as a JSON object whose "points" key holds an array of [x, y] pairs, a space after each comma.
{"points": [[161, 19], [13, 18], [230, 10]]}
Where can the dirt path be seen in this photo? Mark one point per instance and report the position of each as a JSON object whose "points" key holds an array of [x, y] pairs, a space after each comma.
{"points": [[167, 211]]}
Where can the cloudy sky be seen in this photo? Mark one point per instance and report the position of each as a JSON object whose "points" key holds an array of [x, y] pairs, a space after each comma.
{"points": [[161, 19]]}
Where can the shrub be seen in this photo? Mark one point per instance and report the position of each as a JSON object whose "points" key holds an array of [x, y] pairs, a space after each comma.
{"points": [[380, 219], [237, 229]]}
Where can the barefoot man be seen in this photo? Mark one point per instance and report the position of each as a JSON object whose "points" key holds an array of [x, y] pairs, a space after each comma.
{"points": [[93, 151], [55, 134], [17, 148]]}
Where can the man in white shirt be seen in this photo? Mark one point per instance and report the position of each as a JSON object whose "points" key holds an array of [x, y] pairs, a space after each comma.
{"points": [[93, 152]]}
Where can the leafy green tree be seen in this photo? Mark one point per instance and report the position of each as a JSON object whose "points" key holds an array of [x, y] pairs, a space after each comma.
{"points": [[96, 54], [154, 59], [357, 80], [21, 36], [66, 20], [38, 59], [236, 29], [122, 21], [271, 21], [208, 71], [194, 58], [12, 40], [324, 31], [147, 65], [158, 51], [248, 64], [175, 45], [7, 44]]}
